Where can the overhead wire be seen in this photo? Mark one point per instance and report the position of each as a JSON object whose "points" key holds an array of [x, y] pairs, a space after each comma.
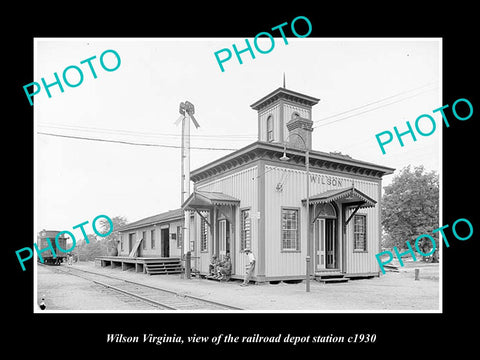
{"points": [[132, 143], [374, 102], [349, 147], [238, 137], [371, 109], [228, 137]]}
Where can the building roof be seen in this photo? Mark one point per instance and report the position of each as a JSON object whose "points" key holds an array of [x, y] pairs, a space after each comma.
{"points": [[49, 234], [199, 199], [165, 217], [350, 194], [217, 198], [283, 93], [273, 151]]}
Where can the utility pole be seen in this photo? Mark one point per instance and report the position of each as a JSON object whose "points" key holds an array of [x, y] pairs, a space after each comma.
{"points": [[186, 114]]}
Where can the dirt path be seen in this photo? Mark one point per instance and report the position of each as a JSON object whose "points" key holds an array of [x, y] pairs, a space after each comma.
{"points": [[393, 291], [66, 292]]}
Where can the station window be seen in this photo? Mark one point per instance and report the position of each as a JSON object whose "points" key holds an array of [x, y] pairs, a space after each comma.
{"points": [[269, 128], [179, 237], [290, 238], [203, 235], [152, 239], [245, 234], [144, 240], [360, 233]]}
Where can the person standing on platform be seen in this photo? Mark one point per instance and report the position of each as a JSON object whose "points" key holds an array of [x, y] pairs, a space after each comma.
{"points": [[250, 267]]}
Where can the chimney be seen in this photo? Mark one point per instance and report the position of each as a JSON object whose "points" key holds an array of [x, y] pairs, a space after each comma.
{"points": [[300, 128]]}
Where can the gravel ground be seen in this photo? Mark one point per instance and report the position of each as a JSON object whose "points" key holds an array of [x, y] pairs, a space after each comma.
{"points": [[67, 292], [390, 292]]}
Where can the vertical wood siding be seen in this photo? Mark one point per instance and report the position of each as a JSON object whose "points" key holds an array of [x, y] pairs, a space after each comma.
{"points": [[148, 251], [242, 185], [276, 111], [362, 262], [202, 258], [280, 263], [284, 263], [263, 115]]}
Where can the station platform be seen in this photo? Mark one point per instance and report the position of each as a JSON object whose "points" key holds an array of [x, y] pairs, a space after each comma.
{"points": [[147, 265]]}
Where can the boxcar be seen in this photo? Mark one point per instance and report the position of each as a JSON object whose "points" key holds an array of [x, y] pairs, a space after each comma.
{"points": [[48, 257]]}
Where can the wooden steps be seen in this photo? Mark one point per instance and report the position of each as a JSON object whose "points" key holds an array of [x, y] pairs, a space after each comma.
{"points": [[331, 278], [162, 266]]}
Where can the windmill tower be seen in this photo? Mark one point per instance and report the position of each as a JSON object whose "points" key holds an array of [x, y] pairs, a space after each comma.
{"points": [[186, 114]]}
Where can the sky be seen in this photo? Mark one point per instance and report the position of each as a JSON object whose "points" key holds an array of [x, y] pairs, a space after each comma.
{"points": [[365, 86]]}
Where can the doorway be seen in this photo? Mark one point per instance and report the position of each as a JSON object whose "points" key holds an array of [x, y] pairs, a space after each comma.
{"points": [[224, 238], [131, 242], [330, 244], [165, 242], [325, 249]]}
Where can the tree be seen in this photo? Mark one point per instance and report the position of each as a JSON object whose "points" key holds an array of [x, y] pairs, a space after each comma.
{"points": [[88, 251], [111, 241], [99, 246], [410, 208]]}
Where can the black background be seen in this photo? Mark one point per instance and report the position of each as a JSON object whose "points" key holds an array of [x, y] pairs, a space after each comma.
{"points": [[397, 333]]}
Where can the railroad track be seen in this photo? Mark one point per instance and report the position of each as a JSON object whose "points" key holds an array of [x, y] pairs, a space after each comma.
{"points": [[156, 297]]}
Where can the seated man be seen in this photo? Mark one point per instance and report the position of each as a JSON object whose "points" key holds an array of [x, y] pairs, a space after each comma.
{"points": [[225, 269], [213, 267]]}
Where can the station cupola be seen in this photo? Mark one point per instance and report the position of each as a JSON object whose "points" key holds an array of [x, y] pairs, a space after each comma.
{"points": [[285, 116]]}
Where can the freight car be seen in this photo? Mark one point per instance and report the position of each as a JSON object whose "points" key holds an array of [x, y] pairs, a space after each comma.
{"points": [[48, 257]]}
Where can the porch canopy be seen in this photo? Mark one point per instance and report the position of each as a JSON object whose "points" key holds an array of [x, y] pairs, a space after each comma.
{"points": [[349, 196], [206, 200]]}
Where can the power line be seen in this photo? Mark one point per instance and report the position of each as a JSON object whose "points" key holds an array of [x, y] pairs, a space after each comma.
{"points": [[373, 102], [238, 137], [375, 108], [131, 143]]}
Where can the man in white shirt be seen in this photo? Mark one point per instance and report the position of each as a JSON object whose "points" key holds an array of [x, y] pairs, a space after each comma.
{"points": [[250, 267]]}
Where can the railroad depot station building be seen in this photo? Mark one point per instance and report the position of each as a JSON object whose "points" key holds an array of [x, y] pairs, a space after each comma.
{"points": [[256, 198]]}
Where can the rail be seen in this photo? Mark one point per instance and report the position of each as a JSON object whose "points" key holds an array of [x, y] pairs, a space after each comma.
{"points": [[154, 295]]}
